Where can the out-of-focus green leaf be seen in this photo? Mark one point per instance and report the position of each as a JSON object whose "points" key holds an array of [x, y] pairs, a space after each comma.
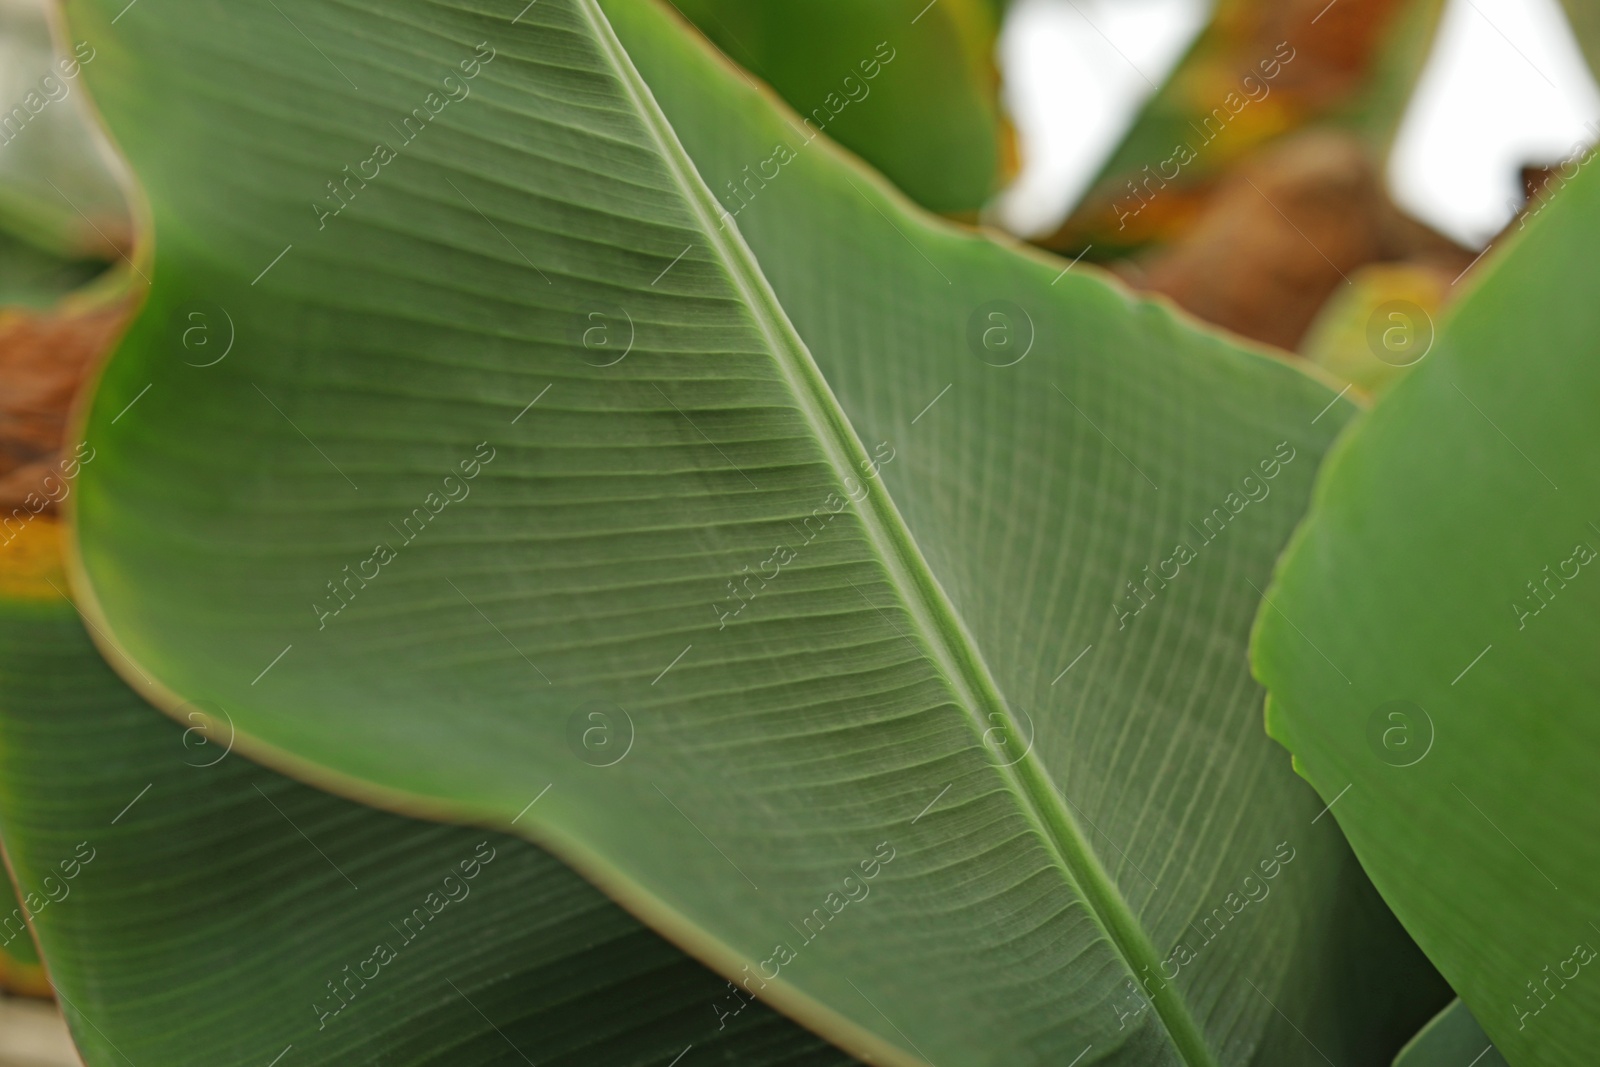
{"points": [[57, 192], [1429, 643], [1372, 331], [1261, 70], [1452, 1039], [32, 277], [20, 970], [1584, 18], [197, 909], [911, 87], [826, 500]]}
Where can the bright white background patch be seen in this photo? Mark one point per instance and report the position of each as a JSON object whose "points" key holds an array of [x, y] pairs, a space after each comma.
{"points": [[1505, 85]]}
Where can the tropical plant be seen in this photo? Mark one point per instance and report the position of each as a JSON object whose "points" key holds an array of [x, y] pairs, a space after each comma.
{"points": [[627, 585]]}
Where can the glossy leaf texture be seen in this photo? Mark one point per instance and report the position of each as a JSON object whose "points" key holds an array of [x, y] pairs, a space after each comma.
{"points": [[1429, 643], [910, 87], [789, 556], [1451, 1039], [197, 908]]}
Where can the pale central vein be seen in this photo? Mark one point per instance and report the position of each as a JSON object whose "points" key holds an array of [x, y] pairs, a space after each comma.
{"points": [[946, 638]]}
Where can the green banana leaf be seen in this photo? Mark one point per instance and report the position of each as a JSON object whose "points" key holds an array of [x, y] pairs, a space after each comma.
{"points": [[908, 85], [1429, 645], [197, 909], [832, 513], [1452, 1039]]}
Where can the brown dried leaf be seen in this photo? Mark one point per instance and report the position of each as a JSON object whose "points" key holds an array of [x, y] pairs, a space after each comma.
{"points": [[43, 359], [1282, 233], [1261, 71]]}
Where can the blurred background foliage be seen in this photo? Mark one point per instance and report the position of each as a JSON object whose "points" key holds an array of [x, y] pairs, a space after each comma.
{"points": [[936, 129], [62, 215]]}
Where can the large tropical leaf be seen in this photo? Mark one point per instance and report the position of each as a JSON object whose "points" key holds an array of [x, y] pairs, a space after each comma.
{"points": [[197, 909], [1452, 1039], [757, 492], [908, 85], [1430, 643]]}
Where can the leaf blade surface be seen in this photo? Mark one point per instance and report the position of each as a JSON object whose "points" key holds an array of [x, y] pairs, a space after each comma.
{"points": [[847, 708]]}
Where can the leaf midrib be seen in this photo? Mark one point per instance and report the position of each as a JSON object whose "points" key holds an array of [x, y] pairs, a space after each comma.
{"points": [[940, 626]]}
